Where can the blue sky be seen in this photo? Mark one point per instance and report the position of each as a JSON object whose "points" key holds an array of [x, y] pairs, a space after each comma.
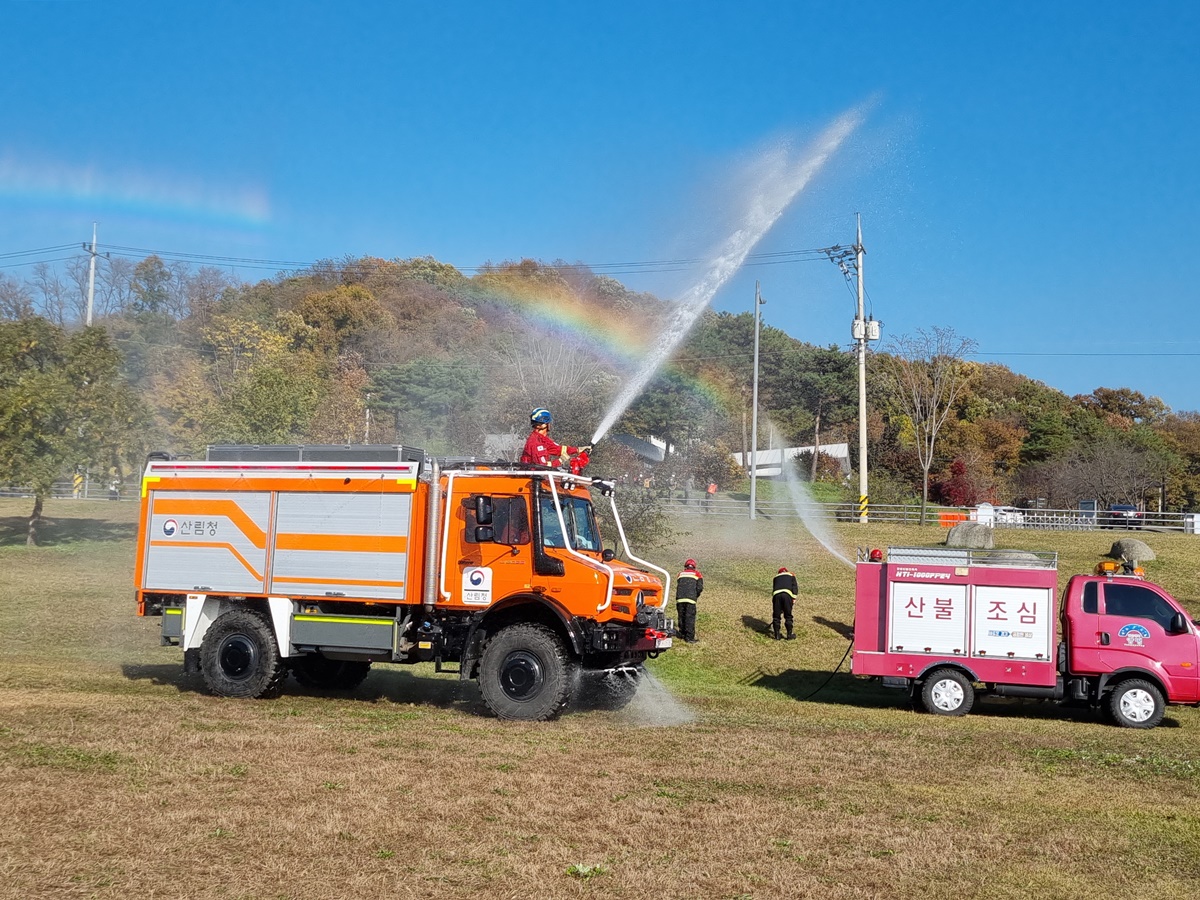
{"points": [[1026, 173]]}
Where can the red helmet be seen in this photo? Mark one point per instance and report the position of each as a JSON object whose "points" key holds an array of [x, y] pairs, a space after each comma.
{"points": [[782, 569], [689, 564], [876, 556]]}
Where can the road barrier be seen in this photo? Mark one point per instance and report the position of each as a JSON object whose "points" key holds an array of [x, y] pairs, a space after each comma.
{"points": [[943, 517]]}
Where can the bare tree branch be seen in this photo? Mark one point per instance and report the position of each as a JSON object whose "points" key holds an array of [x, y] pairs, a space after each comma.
{"points": [[928, 372]]}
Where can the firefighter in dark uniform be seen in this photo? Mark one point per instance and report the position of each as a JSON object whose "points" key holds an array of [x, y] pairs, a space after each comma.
{"points": [[783, 595], [689, 585]]}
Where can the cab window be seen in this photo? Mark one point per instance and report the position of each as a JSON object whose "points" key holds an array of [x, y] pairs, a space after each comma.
{"points": [[1091, 598], [510, 521], [1136, 601]]}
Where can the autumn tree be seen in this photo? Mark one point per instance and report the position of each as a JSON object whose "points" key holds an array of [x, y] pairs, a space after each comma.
{"points": [[16, 300], [266, 382], [343, 317], [63, 405], [1181, 434], [1116, 470], [1124, 405], [342, 415], [927, 371]]}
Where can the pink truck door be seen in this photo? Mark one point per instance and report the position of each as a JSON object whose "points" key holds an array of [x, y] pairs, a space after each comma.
{"points": [[1081, 627], [1136, 619]]}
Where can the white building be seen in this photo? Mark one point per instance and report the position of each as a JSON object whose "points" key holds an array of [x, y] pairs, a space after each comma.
{"points": [[769, 462]]}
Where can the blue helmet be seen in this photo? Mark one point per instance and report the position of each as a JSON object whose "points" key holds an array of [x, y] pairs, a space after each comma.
{"points": [[540, 416]]}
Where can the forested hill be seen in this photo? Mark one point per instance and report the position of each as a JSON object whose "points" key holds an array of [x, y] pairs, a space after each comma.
{"points": [[414, 351]]}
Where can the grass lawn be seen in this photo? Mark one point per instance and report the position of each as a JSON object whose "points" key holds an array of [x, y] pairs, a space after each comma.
{"points": [[746, 768]]}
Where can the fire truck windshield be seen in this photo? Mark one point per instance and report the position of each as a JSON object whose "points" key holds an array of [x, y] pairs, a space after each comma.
{"points": [[580, 520]]}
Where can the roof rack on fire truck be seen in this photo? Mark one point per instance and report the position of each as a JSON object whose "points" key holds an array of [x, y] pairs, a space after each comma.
{"points": [[314, 453], [962, 556]]}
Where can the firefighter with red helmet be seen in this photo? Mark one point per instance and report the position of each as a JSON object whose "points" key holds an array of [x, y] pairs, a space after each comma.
{"points": [[542, 450], [783, 595], [689, 585]]}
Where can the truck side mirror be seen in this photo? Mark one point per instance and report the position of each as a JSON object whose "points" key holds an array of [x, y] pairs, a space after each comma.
{"points": [[483, 510], [1178, 624], [607, 555], [484, 534]]}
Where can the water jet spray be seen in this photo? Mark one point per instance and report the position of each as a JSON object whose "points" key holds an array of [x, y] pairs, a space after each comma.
{"points": [[779, 183]]}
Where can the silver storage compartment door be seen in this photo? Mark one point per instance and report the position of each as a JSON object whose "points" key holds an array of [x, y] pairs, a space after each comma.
{"points": [[341, 545], [207, 541]]}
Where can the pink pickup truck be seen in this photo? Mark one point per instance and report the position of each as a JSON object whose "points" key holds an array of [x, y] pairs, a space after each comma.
{"points": [[951, 623]]}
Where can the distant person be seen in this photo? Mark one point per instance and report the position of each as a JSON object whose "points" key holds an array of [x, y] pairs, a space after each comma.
{"points": [[709, 493], [689, 585], [541, 449], [783, 596]]}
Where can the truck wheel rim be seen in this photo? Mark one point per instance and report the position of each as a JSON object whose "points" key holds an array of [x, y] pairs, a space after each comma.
{"points": [[947, 694], [521, 676], [238, 656], [1137, 705]]}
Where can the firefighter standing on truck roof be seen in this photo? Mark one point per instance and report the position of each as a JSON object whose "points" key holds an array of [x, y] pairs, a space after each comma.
{"points": [[540, 448], [689, 585], [783, 595]]}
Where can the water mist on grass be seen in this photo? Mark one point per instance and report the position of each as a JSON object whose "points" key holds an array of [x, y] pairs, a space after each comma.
{"points": [[654, 707]]}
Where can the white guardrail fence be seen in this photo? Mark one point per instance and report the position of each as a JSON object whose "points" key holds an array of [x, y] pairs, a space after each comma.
{"points": [[82, 487], [999, 516], [92, 488]]}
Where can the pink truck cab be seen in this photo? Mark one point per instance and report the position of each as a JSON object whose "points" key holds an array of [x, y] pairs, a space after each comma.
{"points": [[949, 623]]}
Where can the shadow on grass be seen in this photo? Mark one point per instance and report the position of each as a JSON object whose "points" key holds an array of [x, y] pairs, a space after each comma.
{"points": [[753, 623], [384, 683], [762, 626], [822, 687], [845, 689], [61, 532], [398, 686], [846, 631]]}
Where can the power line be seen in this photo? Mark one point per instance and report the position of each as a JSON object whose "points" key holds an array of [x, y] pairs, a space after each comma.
{"points": [[40, 250], [627, 267], [52, 259]]}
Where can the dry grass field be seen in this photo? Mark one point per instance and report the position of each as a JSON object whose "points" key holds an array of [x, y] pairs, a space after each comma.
{"points": [[744, 771]]}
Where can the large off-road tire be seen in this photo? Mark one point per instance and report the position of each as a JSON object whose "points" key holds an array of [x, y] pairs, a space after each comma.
{"points": [[323, 674], [526, 674], [1136, 703], [947, 692], [240, 658]]}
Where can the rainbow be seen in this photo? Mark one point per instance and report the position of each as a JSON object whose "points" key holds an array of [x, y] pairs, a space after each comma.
{"points": [[136, 192], [553, 311]]}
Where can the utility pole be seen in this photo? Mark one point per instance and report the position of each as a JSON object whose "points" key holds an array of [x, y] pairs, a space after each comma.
{"points": [[91, 276], [859, 331], [863, 330], [758, 302]]}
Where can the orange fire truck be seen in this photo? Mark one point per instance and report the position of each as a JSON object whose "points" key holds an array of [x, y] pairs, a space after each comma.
{"points": [[319, 561]]}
